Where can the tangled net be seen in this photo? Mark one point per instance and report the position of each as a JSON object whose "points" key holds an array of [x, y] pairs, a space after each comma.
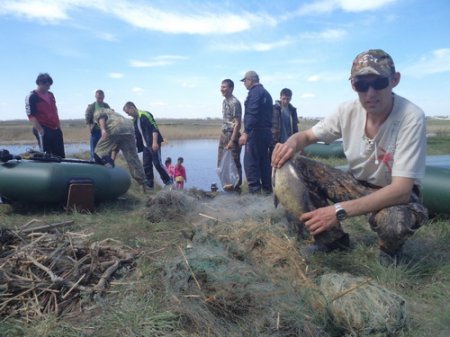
{"points": [[362, 307], [169, 205], [240, 277]]}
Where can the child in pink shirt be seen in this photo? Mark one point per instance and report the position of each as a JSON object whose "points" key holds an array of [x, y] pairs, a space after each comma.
{"points": [[170, 168], [180, 174]]}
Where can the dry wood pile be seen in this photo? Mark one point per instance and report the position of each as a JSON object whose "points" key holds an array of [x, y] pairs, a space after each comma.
{"points": [[44, 270]]}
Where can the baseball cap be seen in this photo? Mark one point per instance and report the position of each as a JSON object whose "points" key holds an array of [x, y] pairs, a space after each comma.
{"points": [[373, 61], [251, 75]]}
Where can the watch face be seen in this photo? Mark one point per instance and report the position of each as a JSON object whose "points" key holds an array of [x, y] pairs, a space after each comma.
{"points": [[341, 214]]}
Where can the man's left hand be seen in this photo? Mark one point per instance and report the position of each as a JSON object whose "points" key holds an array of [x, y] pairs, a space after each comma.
{"points": [[243, 139], [320, 219]]}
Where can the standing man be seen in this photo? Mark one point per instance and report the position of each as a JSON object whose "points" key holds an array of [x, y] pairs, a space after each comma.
{"points": [[42, 112], [94, 129], [284, 119], [257, 134], [118, 134], [384, 139], [148, 140], [231, 126]]}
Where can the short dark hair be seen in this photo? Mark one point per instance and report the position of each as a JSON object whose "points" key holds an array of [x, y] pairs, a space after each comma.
{"points": [[286, 92], [100, 91], [44, 78], [180, 159], [129, 104], [229, 82], [168, 160]]}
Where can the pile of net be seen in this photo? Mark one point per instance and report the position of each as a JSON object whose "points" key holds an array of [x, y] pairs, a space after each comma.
{"points": [[169, 205], [46, 271], [243, 279], [363, 307], [247, 278]]}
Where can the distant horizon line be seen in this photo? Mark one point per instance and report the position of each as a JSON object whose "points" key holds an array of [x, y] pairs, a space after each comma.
{"points": [[201, 118]]}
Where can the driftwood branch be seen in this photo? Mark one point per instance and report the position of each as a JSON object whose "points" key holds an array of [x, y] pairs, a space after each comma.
{"points": [[47, 227], [44, 271]]}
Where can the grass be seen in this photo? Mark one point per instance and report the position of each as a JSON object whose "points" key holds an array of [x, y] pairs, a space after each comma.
{"points": [[139, 305], [75, 131]]}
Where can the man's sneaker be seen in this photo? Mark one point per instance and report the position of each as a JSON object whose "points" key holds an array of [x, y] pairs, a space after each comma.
{"points": [[107, 161], [390, 258], [343, 243]]}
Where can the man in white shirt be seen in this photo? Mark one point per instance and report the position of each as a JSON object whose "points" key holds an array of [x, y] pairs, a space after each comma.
{"points": [[384, 139]]}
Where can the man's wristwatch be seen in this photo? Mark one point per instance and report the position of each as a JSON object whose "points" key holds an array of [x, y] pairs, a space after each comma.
{"points": [[341, 214]]}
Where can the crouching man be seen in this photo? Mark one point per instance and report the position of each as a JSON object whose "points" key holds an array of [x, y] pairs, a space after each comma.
{"points": [[384, 139], [117, 134]]}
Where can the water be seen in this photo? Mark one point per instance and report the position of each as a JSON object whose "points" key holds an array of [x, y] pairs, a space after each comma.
{"points": [[200, 158]]}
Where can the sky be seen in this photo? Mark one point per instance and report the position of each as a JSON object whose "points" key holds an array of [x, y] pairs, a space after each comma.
{"points": [[170, 56]]}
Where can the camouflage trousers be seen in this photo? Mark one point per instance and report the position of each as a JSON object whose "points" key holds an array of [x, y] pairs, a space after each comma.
{"points": [[326, 184], [235, 152], [127, 144]]}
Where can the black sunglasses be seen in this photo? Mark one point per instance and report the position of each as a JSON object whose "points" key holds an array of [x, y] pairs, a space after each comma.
{"points": [[378, 84]]}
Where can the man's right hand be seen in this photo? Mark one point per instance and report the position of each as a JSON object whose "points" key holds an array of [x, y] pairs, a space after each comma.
{"points": [[104, 134], [282, 153]]}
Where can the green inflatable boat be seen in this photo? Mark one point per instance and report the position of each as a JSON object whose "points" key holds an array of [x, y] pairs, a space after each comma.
{"points": [[37, 181], [324, 150], [435, 184], [436, 189]]}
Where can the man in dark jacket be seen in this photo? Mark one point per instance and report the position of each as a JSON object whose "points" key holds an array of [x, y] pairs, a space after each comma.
{"points": [[148, 140], [42, 112], [284, 119], [257, 134]]}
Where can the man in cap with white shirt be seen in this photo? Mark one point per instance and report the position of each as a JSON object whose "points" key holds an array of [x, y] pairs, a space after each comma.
{"points": [[384, 139]]}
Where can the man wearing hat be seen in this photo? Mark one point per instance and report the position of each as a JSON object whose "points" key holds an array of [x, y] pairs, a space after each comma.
{"points": [[257, 134], [384, 139]]}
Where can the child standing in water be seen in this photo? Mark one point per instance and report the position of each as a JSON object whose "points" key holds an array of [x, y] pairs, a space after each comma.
{"points": [[180, 174], [170, 168]]}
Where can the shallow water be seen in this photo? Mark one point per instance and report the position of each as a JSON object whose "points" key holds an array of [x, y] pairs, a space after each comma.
{"points": [[200, 158]]}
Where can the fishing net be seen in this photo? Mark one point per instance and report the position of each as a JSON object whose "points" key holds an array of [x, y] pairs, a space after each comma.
{"points": [[218, 293], [363, 307], [242, 274], [169, 205]]}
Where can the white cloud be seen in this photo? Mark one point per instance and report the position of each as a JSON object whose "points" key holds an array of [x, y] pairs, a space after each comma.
{"points": [[116, 75], [254, 46], [308, 95], [328, 6], [436, 62], [185, 20], [189, 84], [46, 11], [106, 36], [158, 61], [313, 78], [137, 90], [328, 34], [147, 17], [360, 6]]}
